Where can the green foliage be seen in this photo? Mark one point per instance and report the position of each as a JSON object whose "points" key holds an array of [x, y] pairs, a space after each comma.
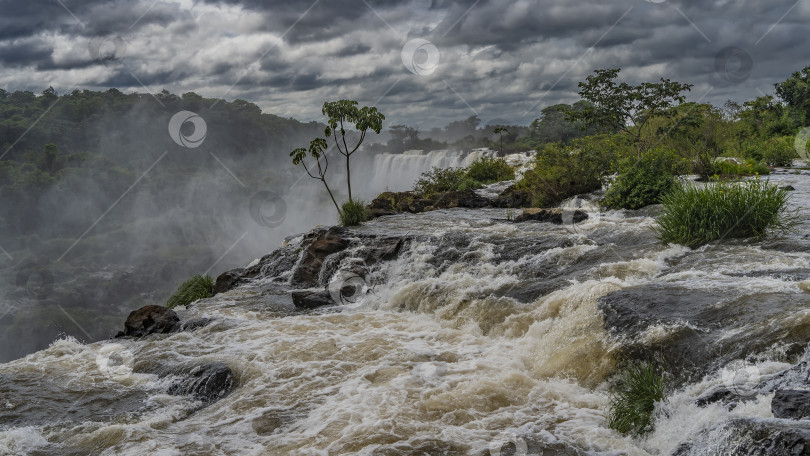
{"points": [[353, 213], [625, 107], [779, 151], [643, 181], [563, 171], [633, 397], [487, 170], [695, 216], [440, 180], [748, 168], [197, 287], [795, 91], [481, 172]]}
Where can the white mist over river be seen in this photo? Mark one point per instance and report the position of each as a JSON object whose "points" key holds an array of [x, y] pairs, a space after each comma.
{"points": [[482, 332]]}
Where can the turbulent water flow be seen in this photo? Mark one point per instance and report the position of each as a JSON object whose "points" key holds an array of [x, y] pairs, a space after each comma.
{"points": [[481, 333]]}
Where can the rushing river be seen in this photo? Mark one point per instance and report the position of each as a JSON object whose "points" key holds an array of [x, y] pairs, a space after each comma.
{"points": [[481, 335]]}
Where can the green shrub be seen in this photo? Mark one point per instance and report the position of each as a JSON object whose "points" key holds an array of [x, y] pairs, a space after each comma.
{"points": [[440, 180], [633, 398], [561, 172], [750, 167], [197, 287], [643, 181], [779, 151], [487, 170], [695, 216], [353, 213]]}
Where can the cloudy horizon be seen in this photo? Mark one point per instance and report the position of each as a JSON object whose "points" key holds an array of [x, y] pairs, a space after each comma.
{"points": [[423, 63]]}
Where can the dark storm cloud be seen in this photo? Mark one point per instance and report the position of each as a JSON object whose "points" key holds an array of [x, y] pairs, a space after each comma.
{"points": [[498, 59]]}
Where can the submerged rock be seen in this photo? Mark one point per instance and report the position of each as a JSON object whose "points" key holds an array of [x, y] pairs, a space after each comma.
{"points": [[311, 299], [793, 404], [207, 383], [150, 320], [750, 437]]}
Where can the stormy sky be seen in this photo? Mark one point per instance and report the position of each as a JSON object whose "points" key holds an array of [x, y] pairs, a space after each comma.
{"points": [[422, 62]]}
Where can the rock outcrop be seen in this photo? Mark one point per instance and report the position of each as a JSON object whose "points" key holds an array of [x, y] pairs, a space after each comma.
{"points": [[150, 320], [557, 216], [388, 203]]}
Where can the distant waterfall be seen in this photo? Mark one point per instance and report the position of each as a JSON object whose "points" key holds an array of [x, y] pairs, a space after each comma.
{"points": [[398, 172]]}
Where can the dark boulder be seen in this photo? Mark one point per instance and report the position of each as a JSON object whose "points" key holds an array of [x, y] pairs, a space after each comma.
{"points": [[788, 188], [228, 280], [793, 404], [463, 198], [385, 249], [325, 243], [556, 216], [514, 198], [207, 383], [311, 299], [150, 320]]}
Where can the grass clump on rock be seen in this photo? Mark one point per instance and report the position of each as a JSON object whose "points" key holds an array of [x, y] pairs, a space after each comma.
{"points": [[353, 213], [197, 287], [695, 216], [633, 397]]}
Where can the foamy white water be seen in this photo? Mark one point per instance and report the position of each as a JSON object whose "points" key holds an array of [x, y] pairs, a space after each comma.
{"points": [[481, 332]]}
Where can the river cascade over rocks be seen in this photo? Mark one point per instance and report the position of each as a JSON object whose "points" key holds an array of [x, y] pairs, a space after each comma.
{"points": [[453, 330]]}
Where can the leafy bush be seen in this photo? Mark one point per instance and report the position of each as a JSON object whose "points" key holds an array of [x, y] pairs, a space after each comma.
{"points": [[197, 287], [749, 168], [440, 180], [643, 181], [779, 151], [487, 170], [353, 213], [561, 172], [695, 216], [633, 398]]}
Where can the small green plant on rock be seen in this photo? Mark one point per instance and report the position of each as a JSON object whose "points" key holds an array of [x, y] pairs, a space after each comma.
{"points": [[197, 287], [487, 170], [633, 396], [353, 213]]}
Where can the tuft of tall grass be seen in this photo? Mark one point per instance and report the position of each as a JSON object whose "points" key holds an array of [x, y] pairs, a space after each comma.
{"points": [[353, 213], [695, 216], [633, 397], [197, 287]]}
